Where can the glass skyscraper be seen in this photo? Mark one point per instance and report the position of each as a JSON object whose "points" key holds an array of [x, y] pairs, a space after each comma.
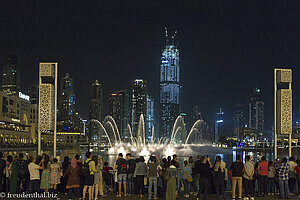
{"points": [[169, 87], [10, 74], [256, 111], [149, 117]]}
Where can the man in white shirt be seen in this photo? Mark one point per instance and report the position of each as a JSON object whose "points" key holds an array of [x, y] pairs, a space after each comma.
{"points": [[34, 175]]}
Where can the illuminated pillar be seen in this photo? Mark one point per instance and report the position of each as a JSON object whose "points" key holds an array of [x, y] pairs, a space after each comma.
{"points": [[282, 106], [47, 102]]}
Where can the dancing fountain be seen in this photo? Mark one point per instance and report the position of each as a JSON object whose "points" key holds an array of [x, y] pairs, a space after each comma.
{"points": [[179, 142]]}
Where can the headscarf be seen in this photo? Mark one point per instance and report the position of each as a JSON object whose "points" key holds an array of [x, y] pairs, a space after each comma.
{"points": [[74, 163]]}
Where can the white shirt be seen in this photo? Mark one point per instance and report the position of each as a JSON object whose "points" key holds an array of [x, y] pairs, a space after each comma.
{"points": [[34, 171]]}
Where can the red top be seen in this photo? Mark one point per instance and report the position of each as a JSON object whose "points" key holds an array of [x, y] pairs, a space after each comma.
{"points": [[106, 169], [263, 171], [297, 169]]}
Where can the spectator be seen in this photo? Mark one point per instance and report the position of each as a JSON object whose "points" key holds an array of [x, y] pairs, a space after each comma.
{"points": [[197, 173], [262, 176], [139, 173], [152, 175], [187, 178], [2, 167], [88, 171], [14, 176], [34, 175], [171, 175], [218, 177], [292, 175], [131, 167], [283, 175], [297, 171], [64, 178], [7, 172], [122, 168], [97, 178], [54, 174], [45, 180], [248, 178], [237, 174], [22, 172], [205, 176], [73, 182], [271, 178]]}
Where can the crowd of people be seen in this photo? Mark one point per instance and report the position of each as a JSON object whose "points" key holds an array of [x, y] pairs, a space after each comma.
{"points": [[91, 178]]}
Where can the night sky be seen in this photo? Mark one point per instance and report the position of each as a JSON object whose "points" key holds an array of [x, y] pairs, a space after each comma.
{"points": [[225, 49]]}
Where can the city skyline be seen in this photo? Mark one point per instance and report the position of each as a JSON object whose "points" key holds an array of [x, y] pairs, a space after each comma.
{"points": [[212, 58]]}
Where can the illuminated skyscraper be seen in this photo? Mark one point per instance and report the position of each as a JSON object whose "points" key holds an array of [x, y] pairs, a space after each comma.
{"points": [[66, 105], [238, 116], [138, 103], [11, 74], [149, 117], [169, 87], [256, 111], [96, 101], [119, 110]]}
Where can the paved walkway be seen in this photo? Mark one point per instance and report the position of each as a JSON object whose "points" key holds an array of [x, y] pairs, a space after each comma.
{"points": [[111, 196]]}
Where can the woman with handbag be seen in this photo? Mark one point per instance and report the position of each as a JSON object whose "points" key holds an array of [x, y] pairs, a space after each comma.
{"points": [[187, 179]]}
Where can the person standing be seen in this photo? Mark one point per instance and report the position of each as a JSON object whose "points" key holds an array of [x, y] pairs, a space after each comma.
{"points": [[271, 178], [152, 175], [122, 167], [171, 176], [139, 174], [205, 176], [237, 173], [7, 172], [22, 169], [187, 178], [131, 168], [283, 175], [297, 171], [292, 175], [34, 175], [248, 178], [64, 179], [88, 171], [45, 180], [197, 173], [218, 177], [55, 174], [97, 187], [2, 167], [262, 176], [14, 176], [73, 182]]}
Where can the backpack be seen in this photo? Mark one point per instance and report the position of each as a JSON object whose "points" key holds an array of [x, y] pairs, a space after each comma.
{"points": [[85, 169], [124, 169]]}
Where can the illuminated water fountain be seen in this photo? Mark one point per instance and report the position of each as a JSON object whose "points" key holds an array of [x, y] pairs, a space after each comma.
{"points": [[179, 142]]}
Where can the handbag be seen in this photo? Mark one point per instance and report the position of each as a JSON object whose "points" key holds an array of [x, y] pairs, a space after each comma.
{"points": [[188, 178]]}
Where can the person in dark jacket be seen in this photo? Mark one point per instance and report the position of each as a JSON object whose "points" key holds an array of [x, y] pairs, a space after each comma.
{"points": [[130, 172], [237, 173], [205, 176]]}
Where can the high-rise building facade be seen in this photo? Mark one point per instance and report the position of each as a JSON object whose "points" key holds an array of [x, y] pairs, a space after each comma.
{"points": [[169, 87], [66, 105], [150, 118], [33, 92], [96, 101], [10, 74], [238, 116], [119, 110], [138, 103], [256, 111], [219, 125]]}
